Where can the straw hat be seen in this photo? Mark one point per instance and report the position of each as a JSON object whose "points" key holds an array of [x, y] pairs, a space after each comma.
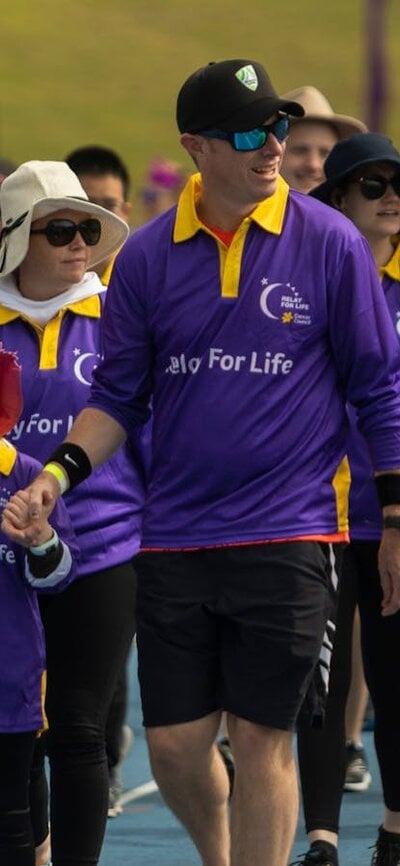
{"points": [[37, 189], [316, 107]]}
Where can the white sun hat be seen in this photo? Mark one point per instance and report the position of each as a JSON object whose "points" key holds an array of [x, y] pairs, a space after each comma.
{"points": [[39, 188]]}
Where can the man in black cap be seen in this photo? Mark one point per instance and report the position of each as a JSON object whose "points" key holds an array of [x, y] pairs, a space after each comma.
{"points": [[245, 317]]}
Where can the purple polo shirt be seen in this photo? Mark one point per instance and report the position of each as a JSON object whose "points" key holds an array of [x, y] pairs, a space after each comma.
{"points": [[57, 366], [249, 355], [365, 510], [22, 645]]}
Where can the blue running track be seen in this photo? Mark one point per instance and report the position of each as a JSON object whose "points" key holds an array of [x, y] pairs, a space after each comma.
{"points": [[147, 834]]}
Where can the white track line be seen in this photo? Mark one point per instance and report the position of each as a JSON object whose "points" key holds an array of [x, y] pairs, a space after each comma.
{"points": [[137, 793]]}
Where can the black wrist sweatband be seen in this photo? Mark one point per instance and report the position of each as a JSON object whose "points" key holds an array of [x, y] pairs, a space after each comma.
{"points": [[388, 487], [74, 461], [42, 566]]}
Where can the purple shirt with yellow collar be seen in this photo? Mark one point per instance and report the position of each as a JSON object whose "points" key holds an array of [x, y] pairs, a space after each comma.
{"points": [[22, 645], [250, 353], [365, 511], [57, 362]]}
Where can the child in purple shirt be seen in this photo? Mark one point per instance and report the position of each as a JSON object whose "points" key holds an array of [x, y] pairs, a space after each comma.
{"points": [[48, 564]]}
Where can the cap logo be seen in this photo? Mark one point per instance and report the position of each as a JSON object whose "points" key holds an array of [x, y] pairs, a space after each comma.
{"points": [[247, 76]]}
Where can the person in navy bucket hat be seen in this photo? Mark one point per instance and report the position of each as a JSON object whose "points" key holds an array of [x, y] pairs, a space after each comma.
{"points": [[351, 154], [363, 183]]}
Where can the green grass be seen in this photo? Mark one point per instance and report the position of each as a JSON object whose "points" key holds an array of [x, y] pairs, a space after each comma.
{"points": [[94, 72]]}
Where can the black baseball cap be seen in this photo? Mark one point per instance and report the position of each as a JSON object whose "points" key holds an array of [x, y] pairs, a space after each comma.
{"points": [[351, 154], [232, 95]]}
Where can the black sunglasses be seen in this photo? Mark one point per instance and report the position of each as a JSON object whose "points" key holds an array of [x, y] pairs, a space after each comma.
{"points": [[375, 186], [61, 232]]}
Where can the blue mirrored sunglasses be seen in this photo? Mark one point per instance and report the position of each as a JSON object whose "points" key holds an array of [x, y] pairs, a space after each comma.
{"points": [[252, 139]]}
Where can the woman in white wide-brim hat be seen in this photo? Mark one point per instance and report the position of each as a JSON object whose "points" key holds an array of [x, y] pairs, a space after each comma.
{"points": [[50, 312]]}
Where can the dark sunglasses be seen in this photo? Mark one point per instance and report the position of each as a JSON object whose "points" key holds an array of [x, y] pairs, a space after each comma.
{"points": [[253, 139], [375, 186], [61, 232]]}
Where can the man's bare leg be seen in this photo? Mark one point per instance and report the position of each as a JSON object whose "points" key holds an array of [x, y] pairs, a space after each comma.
{"points": [[193, 781], [265, 797]]}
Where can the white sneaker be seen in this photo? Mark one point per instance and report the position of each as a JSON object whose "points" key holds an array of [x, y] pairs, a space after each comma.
{"points": [[358, 777]]}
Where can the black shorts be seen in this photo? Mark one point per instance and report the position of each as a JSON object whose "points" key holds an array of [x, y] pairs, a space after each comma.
{"points": [[232, 628]]}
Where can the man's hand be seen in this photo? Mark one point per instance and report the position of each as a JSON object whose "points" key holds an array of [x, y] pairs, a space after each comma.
{"points": [[389, 569]]}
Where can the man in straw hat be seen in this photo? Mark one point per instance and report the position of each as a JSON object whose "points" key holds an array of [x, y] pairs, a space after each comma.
{"points": [[240, 316], [312, 137]]}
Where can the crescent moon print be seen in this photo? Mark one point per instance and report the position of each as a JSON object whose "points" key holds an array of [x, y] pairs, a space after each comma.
{"points": [[78, 367], [264, 300]]}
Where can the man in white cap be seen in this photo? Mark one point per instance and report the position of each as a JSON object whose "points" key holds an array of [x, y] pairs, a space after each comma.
{"points": [[312, 138]]}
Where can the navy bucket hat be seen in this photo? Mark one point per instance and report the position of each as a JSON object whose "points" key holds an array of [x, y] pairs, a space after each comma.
{"points": [[351, 154]]}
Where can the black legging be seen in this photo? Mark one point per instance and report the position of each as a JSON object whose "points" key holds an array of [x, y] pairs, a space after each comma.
{"points": [[321, 752], [39, 793], [380, 641], [116, 717], [17, 847], [89, 629]]}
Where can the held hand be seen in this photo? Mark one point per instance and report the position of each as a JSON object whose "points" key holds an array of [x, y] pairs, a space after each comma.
{"points": [[389, 568], [17, 525], [25, 515], [15, 518]]}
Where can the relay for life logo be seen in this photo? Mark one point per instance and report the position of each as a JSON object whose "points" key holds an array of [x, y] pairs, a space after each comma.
{"points": [[259, 363], [83, 365], [283, 301], [279, 301]]}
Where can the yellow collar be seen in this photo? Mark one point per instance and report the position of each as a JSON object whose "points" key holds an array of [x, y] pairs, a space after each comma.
{"points": [[269, 214], [87, 307], [392, 268], [8, 456]]}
